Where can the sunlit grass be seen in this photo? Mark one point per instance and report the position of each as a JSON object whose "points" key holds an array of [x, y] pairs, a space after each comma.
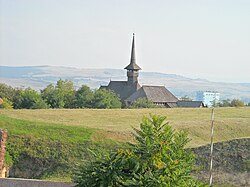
{"points": [[116, 124]]}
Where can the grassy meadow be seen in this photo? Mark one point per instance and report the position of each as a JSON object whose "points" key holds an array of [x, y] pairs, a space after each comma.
{"points": [[115, 124], [49, 144]]}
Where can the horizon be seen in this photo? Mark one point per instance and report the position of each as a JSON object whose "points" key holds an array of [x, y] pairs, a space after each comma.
{"points": [[195, 39], [193, 78]]}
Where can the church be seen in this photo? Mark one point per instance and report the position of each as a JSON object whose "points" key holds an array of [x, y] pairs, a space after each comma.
{"points": [[129, 91]]}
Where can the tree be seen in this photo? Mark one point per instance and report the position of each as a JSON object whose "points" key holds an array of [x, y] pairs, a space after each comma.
{"points": [[7, 92], [106, 99], [51, 97], [30, 99], [60, 96], [157, 159], [84, 96], [237, 103], [142, 103], [65, 88]]}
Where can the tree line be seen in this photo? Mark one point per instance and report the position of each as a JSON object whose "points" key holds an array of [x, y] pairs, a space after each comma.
{"points": [[61, 95], [64, 95], [232, 103]]}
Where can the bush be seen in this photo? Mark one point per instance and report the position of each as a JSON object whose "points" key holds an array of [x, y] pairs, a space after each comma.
{"points": [[157, 159]]}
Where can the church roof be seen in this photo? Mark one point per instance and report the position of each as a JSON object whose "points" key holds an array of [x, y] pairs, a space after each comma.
{"points": [[133, 65], [122, 88], [154, 94]]}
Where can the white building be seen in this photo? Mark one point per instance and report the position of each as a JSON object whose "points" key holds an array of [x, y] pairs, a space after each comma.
{"points": [[209, 98]]}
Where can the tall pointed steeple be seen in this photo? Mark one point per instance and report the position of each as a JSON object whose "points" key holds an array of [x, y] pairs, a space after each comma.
{"points": [[133, 65], [133, 68]]}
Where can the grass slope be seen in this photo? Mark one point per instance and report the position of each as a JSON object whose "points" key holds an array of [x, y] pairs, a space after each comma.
{"points": [[47, 150], [47, 144], [115, 124]]}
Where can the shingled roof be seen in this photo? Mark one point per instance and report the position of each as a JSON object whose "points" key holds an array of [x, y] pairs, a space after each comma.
{"points": [[156, 94], [122, 88]]}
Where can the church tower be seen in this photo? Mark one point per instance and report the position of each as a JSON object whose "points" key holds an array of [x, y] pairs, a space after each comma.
{"points": [[133, 68]]}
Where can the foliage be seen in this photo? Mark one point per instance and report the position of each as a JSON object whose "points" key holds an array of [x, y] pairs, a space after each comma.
{"points": [[233, 103], [106, 99], [157, 159], [7, 92], [142, 103], [237, 103], [60, 96], [65, 88], [7, 104], [63, 95], [30, 99], [84, 97]]}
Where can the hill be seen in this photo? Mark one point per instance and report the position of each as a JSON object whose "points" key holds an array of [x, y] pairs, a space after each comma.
{"points": [[39, 77]]}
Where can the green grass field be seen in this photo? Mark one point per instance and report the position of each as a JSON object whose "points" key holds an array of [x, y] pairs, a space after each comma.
{"points": [[48, 144], [115, 124]]}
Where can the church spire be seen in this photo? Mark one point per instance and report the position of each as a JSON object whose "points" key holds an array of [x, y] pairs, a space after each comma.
{"points": [[132, 59], [133, 65]]}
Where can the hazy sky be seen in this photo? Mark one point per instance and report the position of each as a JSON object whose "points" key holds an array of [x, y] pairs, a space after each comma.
{"points": [[196, 38]]}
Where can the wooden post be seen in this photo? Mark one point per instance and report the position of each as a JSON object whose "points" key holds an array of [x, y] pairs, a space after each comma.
{"points": [[211, 153], [3, 139]]}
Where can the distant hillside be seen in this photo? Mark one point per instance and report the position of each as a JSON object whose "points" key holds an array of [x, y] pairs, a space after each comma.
{"points": [[39, 77]]}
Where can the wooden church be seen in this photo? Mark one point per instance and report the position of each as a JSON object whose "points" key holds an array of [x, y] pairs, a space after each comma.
{"points": [[129, 91]]}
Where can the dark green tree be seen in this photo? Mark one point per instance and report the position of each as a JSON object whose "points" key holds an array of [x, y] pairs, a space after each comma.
{"points": [[30, 99], [84, 97], [51, 96], [157, 159], [106, 99]]}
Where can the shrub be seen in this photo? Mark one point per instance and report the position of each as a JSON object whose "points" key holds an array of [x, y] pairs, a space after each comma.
{"points": [[157, 159]]}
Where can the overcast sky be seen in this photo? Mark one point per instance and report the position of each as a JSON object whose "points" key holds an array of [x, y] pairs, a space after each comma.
{"points": [[207, 39]]}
